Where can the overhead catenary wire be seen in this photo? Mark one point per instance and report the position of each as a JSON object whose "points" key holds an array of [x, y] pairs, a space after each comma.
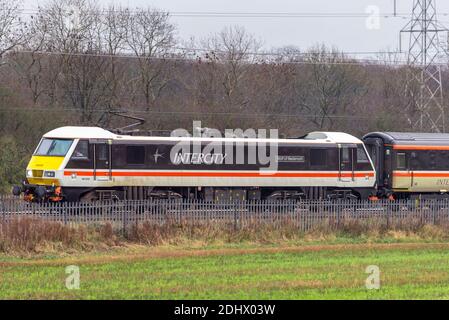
{"points": [[193, 113], [244, 14], [105, 10], [338, 60]]}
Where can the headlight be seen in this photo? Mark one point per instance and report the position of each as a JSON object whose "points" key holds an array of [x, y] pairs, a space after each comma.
{"points": [[49, 174], [29, 173]]}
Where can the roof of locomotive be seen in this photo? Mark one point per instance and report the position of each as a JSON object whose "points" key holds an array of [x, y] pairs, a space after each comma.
{"points": [[80, 133], [99, 133], [410, 138]]}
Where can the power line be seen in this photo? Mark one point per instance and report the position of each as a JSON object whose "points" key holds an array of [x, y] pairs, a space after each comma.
{"points": [[298, 53], [244, 14], [184, 113], [237, 14], [342, 61], [259, 53], [252, 14], [276, 15]]}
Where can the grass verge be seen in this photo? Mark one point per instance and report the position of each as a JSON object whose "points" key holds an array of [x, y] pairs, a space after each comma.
{"points": [[182, 261], [320, 271], [27, 236]]}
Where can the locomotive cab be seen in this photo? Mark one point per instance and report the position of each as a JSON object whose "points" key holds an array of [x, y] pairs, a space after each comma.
{"points": [[57, 150]]}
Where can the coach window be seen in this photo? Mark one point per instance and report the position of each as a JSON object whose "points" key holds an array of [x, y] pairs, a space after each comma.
{"points": [[413, 161], [401, 161], [441, 159], [432, 160], [318, 157], [81, 151], [135, 155]]}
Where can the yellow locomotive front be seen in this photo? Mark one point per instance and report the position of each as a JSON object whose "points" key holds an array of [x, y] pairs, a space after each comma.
{"points": [[46, 179], [44, 171]]}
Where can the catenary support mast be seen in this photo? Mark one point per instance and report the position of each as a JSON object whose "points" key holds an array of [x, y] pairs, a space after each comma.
{"points": [[425, 109]]}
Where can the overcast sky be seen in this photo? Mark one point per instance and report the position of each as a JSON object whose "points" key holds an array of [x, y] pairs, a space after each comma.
{"points": [[349, 34]]}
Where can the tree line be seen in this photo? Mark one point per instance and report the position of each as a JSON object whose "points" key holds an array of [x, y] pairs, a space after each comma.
{"points": [[72, 62]]}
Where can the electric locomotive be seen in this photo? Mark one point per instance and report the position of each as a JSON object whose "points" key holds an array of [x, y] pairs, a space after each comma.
{"points": [[90, 163]]}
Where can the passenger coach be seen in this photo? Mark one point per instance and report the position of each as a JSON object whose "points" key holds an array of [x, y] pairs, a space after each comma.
{"points": [[89, 163], [410, 165]]}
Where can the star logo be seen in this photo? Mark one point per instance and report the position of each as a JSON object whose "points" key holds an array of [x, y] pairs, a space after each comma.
{"points": [[157, 155]]}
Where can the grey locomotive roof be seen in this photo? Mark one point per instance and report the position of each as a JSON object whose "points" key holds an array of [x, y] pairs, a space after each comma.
{"points": [[410, 137]]}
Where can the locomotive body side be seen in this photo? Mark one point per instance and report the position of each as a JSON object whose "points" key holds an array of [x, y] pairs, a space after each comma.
{"points": [[99, 164]]}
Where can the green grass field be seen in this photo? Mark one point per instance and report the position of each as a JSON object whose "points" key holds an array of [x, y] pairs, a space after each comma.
{"points": [[408, 271]]}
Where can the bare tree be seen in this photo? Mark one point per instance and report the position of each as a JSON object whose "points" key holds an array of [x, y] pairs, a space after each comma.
{"points": [[73, 32], [11, 26], [330, 84], [67, 24], [29, 62], [150, 36], [52, 34], [113, 35], [236, 50]]}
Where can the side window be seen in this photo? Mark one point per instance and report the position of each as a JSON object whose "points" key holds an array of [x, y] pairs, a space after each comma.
{"points": [[433, 159], [102, 150], [345, 155], [81, 151], [414, 161], [135, 155], [442, 162], [401, 161], [318, 157], [361, 155]]}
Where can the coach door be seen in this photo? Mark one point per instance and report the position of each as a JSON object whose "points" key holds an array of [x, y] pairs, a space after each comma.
{"points": [[346, 159], [375, 148], [103, 160], [404, 178]]}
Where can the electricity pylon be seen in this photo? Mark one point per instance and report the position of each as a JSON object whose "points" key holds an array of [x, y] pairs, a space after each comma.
{"points": [[425, 110]]}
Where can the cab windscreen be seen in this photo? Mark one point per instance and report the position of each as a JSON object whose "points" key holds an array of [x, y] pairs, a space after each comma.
{"points": [[53, 147]]}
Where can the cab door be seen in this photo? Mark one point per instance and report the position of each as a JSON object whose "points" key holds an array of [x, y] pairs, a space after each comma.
{"points": [[347, 153], [102, 150]]}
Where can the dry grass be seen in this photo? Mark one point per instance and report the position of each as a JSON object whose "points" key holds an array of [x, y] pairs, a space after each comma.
{"points": [[208, 233], [27, 233], [37, 235], [34, 235], [377, 229]]}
